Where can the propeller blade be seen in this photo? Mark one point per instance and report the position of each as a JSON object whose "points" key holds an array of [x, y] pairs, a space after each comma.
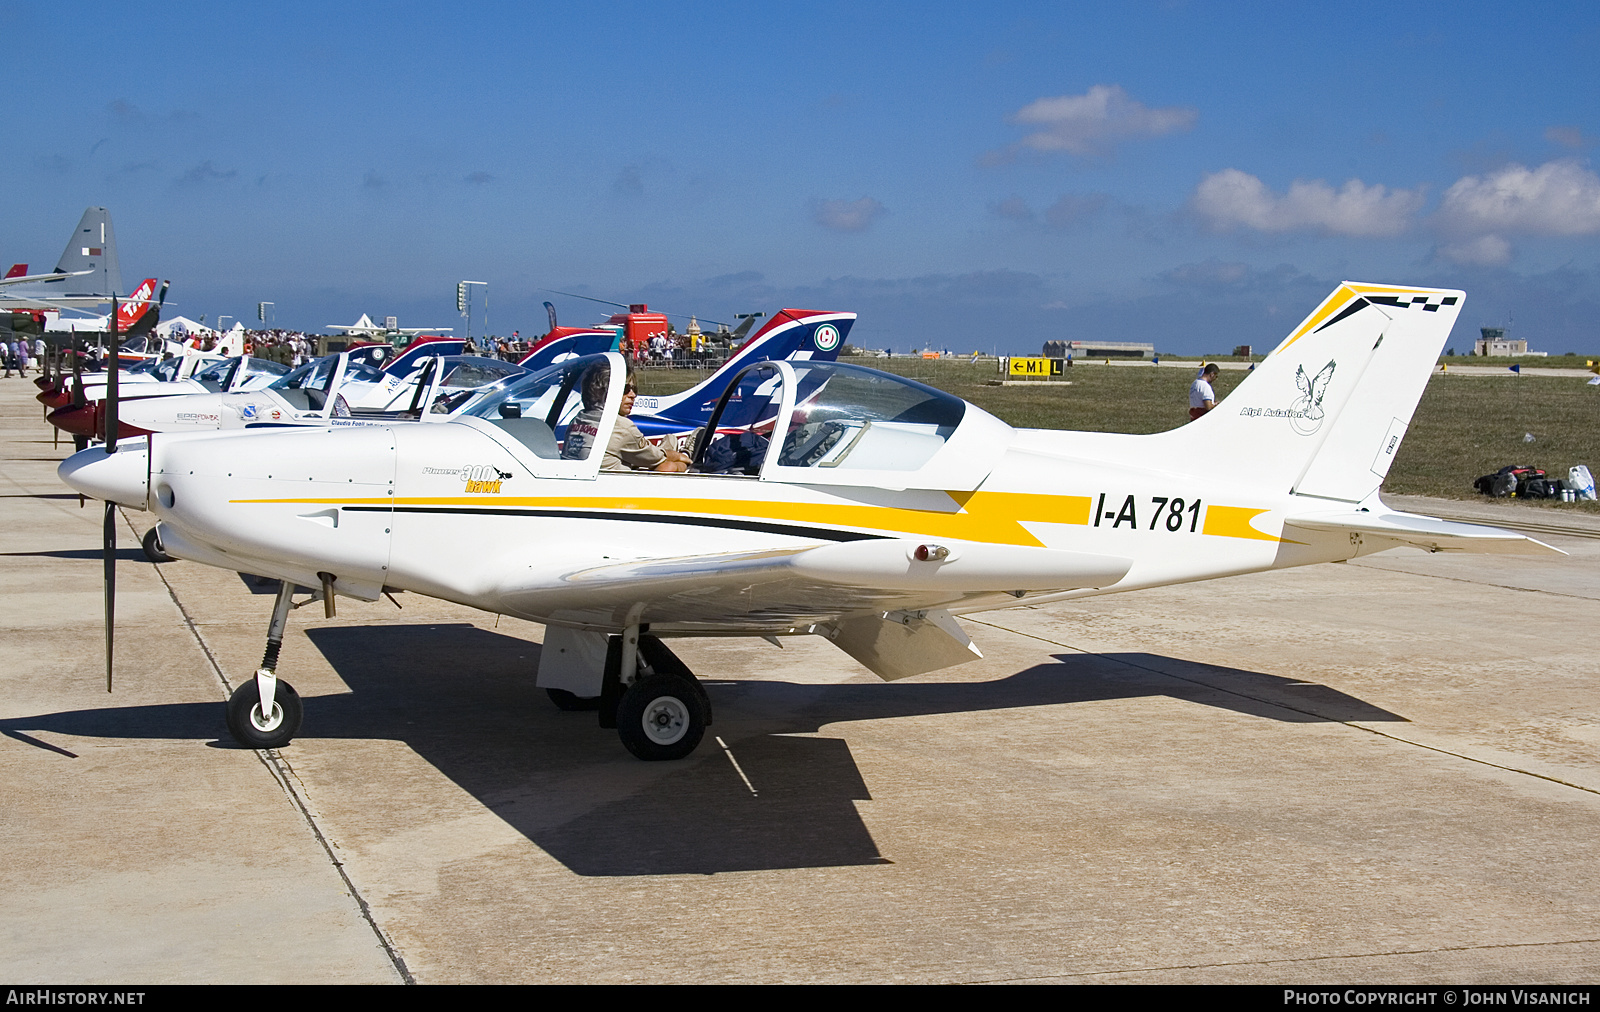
{"points": [[110, 548], [113, 367]]}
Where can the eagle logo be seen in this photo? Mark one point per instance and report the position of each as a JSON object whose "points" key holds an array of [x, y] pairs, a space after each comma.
{"points": [[1306, 413]]}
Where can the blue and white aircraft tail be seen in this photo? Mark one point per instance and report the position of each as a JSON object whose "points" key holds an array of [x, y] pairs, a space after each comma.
{"points": [[381, 355], [563, 343], [795, 334]]}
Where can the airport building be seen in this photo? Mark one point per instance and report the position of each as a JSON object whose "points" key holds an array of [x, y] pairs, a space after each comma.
{"points": [[1099, 349], [1495, 343]]}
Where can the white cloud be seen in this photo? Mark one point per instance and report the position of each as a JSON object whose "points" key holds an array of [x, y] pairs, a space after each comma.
{"points": [[847, 215], [1231, 198], [1092, 123], [1484, 251], [1557, 198]]}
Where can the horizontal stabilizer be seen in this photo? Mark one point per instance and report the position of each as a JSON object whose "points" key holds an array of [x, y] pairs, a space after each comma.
{"points": [[1427, 533]]}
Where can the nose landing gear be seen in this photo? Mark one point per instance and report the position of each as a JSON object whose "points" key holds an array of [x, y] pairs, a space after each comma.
{"points": [[265, 712]]}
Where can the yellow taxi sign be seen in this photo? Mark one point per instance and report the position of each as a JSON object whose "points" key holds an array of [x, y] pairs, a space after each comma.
{"points": [[1036, 367]]}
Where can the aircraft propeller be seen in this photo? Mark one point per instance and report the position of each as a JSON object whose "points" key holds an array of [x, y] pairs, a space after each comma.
{"points": [[145, 325], [109, 532]]}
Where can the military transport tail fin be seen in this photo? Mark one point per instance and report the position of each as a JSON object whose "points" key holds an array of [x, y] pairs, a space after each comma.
{"points": [[1323, 415], [92, 248]]}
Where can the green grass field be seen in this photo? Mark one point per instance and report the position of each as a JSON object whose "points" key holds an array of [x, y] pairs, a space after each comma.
{"points": [[1465, 426]]}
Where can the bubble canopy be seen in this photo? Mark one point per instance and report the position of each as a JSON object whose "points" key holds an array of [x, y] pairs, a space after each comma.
{"points": [[834, 423]]}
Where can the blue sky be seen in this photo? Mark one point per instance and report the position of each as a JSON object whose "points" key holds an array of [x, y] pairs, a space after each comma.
{"points": [[965, 176]]}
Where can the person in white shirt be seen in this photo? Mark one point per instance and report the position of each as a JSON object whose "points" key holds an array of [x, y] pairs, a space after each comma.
{"points": [[1201, 397]]}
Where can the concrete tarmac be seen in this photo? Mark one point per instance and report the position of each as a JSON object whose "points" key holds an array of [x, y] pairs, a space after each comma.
{"points": [[1384, 771]]}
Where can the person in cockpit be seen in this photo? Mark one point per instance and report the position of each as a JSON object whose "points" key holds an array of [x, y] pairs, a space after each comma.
{"points": [[627, 449]]}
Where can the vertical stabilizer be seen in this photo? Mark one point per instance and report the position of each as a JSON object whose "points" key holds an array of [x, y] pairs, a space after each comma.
{"points": [[1325, 412], [92, 248], [798, 334]]}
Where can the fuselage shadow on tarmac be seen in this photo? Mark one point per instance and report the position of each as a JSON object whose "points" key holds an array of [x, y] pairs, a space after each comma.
{"points": [[765, 796]]}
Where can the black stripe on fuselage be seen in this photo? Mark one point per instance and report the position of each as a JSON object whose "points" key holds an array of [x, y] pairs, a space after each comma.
{"points": [[820, 533]]}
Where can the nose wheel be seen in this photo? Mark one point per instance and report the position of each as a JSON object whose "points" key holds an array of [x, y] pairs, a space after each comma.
{"points": [[265, 712], [152, 547], [274, 729]]}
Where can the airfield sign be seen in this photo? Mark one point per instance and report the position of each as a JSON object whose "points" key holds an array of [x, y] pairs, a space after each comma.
{"points": [[1040, 368]]}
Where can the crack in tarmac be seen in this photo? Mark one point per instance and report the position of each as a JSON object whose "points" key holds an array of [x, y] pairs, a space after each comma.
{"points": [[280, 770]]}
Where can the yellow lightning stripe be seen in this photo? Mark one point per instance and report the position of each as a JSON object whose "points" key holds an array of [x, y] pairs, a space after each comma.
{"points": [[1335, 302], [1338, 300], [1234, 522], [988, 517]]}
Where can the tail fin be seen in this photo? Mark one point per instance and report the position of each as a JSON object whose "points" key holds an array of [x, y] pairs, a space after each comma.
{"points": [[17, 271], [424, 346], [1323, 415], [790, 334], [136, 306], [92, 248], [230, 344], [563, 343]]}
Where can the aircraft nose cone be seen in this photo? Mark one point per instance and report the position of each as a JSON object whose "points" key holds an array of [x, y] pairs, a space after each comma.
{"points": [[54, 398], [115, 477], [80, 420]]}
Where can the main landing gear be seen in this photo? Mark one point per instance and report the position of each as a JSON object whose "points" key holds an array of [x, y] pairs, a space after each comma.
{"points": [[655, 703]]}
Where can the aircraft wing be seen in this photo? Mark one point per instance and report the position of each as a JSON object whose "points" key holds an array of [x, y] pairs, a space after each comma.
{"points": [[22, 279], [20, 302], [1427, 533], [786, 588]]}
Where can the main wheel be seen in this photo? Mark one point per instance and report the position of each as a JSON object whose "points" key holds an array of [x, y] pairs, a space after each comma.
{"points": [[571, 701], [661, 717], [152, 547], [275, 730]]}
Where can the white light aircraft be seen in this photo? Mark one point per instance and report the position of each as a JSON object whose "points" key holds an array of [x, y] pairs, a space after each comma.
{"points": [[865, 508], [364, 327]]}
